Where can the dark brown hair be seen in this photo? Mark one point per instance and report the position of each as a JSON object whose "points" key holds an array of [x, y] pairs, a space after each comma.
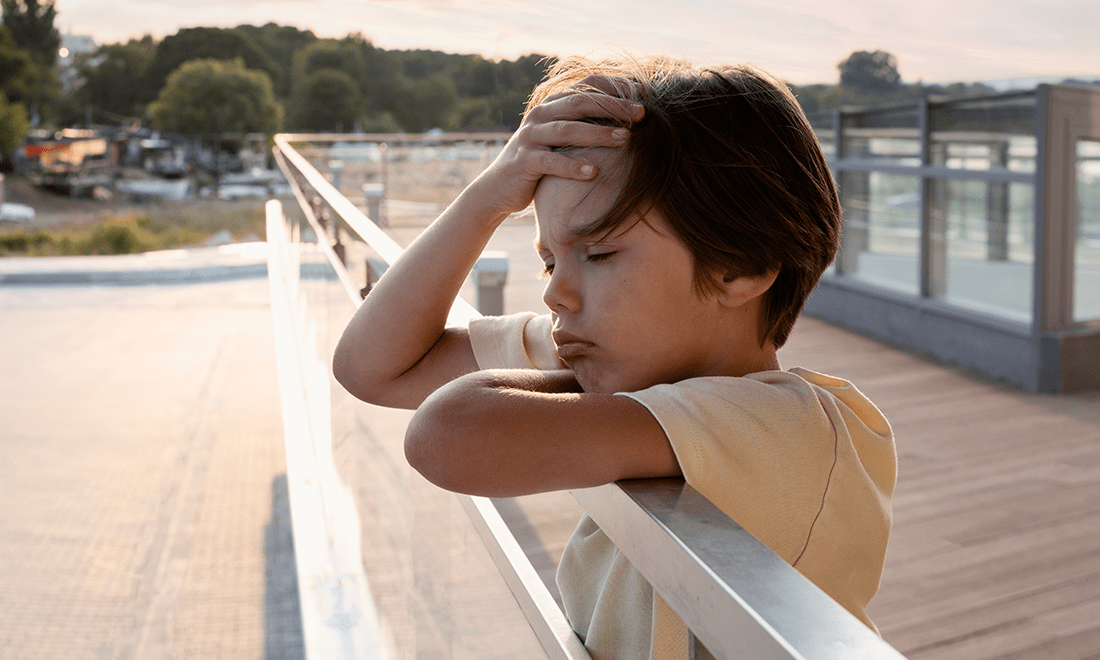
{"points": [[726, 157]]}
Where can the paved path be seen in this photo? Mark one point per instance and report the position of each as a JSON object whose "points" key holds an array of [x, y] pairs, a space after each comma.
{"points": [[143, 508]]}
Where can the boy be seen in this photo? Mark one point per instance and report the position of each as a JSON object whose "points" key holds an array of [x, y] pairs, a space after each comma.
{"points": [[683, 216]]}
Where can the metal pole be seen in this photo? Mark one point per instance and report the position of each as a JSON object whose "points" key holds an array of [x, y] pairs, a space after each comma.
{"points": [[490, 274]]}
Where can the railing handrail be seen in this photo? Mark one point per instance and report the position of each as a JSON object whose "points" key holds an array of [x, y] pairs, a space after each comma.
{"points": [[738, 598]]}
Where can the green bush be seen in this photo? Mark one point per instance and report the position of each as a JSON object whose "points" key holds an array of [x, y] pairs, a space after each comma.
{"points": [[20, 241], [130, 234], [117, 236]]}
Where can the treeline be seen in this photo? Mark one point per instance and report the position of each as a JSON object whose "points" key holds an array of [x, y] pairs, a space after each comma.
{"points": [[871, 78], [208, 81], [319, 84]]}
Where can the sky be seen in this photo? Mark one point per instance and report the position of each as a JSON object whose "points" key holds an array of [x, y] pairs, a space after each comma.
{"points": [[800, 41]]}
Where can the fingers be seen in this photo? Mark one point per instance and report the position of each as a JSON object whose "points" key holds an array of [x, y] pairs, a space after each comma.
{"points": [[581, 105], [564, 133], [595, 113], [565, 167]]}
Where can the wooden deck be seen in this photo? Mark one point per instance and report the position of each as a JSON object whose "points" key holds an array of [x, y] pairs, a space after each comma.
{"points": [[995, 551]]}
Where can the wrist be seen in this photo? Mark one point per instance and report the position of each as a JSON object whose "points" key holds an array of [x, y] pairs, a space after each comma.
{"points": [[477, 206]]}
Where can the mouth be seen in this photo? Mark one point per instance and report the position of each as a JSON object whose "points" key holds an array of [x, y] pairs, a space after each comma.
{"points": [[570, 346]]}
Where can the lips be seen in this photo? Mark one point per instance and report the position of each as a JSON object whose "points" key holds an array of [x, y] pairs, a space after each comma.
{"points": [[571, 346]]}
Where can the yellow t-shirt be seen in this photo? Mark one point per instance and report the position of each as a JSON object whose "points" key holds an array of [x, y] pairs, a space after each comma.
{"points": [[801, 460]]}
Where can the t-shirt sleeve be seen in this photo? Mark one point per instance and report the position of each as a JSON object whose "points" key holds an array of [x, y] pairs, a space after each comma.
{"points": [[518, 341], [760, 448]]}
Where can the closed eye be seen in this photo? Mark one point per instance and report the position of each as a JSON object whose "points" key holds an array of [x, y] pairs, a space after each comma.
{"points": [[599, 257], [547, 271]]}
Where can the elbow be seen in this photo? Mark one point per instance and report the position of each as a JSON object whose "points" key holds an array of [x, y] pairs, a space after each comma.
{"points": [[440, 442], [354, 375], [346, 373]]}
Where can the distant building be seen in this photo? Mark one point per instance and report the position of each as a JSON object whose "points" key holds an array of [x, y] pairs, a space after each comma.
{"points": [[73, 48]]}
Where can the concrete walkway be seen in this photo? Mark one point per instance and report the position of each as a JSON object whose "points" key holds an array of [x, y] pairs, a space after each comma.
{"points": [[143, 509], [143, 503]]}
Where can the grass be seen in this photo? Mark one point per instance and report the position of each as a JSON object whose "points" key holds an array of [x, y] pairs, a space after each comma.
{"points": [[127, 234]]}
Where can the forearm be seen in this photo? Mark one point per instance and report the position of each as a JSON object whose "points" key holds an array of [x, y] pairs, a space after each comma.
{"points": [[513, 432], [473, 436], [405, 314]]}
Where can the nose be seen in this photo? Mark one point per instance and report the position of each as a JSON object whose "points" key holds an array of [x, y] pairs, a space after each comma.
{"points": [[561, 294]]}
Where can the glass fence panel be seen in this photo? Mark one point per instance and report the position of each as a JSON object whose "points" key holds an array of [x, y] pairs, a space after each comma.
{"points": [[1086, 289], [984, 134], [889, 135], [437, 590], [986, 234], [822, 125], [881, 239]]}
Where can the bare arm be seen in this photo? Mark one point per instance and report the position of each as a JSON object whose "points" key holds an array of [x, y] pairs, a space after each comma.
{"points": [[397, 350], [513, 432]]}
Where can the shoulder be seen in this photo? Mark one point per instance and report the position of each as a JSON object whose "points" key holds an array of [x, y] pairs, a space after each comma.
{"points": [[769, 402], [774, 422], [795, 400]]}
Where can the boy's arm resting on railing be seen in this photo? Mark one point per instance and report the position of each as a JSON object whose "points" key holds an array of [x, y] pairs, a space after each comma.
{"points": [[503, 433], [397, 349]]}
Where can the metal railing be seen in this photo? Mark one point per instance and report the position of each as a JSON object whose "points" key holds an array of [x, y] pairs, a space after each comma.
{"points": [[736, 596]]}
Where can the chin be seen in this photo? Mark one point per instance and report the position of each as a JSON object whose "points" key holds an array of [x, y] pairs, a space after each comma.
{"points": [[589, 381]]}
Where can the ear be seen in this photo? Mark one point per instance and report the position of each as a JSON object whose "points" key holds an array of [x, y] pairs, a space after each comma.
{"points": [[736, 290]]}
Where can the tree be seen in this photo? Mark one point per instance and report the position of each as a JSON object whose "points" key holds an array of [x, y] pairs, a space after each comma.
{"points": [[18, 76], [428, 103], [210, 97], [13, 127], [281, 43], [112, 78], [203, 43], [30, 24], [330, 54], [872, 72], [327, 100]]}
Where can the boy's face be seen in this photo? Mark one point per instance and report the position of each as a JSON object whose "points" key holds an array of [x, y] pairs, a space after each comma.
{"points": [[626, 312]]}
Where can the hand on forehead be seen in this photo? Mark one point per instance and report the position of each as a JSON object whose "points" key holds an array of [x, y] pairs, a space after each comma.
{"points": [[579, 202]]}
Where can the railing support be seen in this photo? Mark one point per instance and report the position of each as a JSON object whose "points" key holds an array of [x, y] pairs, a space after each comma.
{"points": [[490, 275]]}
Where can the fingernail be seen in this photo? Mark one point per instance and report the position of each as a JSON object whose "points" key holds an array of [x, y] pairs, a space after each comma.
{"points": [[620, 134], [587, 170]]}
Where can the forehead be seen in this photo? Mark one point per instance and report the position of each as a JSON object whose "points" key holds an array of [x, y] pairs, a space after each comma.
{"points": [[565, 206]]}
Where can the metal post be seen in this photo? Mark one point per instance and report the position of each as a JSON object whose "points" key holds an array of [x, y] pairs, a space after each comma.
{"points": [[368, 280], [337, 169], [374, 192], [382, 150], [997, 206], [490, 274], [338, 245]]}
